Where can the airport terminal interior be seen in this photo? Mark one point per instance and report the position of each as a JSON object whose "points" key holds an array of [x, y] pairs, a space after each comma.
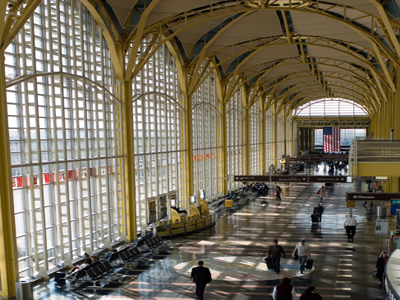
{"points": [[153, 134]]}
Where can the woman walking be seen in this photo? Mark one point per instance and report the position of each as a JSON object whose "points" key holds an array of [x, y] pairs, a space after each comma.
{"points": [[278, 192], [321, 193], [284, 290], [380, 266]]}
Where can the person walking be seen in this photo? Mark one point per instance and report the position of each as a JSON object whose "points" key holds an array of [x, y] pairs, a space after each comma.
{"points": [[284, 290], [278, 192], [274, 253], [321, 193], [380, 266], [310, 294], [369, 181], [318, 210], [350, 224], [303, 254], [201, 276]]}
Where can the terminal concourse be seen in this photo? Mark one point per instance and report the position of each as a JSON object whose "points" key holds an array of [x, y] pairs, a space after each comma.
{"points": [[125, 122], [234, 249]]}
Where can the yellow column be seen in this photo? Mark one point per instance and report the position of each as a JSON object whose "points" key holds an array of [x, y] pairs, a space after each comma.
{"points": [[224, 146], [284, 134], [8, 248], [262, 138], [188, 187], [394, 185], [306, 139], [381, 125], [292, 139], [275, 135], [129, 163], [247, 141], [375, 128], [388, 117], [396, 110], [312, 139], [299, 139]]}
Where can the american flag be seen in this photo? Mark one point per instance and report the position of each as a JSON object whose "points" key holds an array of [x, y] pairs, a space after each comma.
{"points": [[331, 139]]}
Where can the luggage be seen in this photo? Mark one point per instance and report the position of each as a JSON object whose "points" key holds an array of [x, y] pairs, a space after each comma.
{"points": [[269, 263], [314, 218], [309, 264], [59, 277], [374, 274]]}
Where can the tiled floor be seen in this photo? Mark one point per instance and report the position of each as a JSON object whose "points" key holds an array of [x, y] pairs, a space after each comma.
{"points": [[234, 249]]}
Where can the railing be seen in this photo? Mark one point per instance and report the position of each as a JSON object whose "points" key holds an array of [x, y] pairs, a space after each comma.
{"points": [[372, 152]]}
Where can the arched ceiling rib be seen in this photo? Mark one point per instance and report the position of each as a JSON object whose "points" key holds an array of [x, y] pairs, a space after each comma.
{"points": [[338, 47]]}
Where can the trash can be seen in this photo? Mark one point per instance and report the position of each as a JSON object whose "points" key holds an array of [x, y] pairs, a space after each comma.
{"points": [[381, 212], [24, 290]]}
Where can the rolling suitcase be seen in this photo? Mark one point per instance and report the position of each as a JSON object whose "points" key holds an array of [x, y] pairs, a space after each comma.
{"points": [[269, 263], [314, 218], [309, 264]]}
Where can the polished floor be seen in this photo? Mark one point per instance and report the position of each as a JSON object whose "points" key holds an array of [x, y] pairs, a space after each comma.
{"points": [[235, 247]]}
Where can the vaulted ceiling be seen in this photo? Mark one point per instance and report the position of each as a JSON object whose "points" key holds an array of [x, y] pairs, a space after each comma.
{"points": [[296, 51]]}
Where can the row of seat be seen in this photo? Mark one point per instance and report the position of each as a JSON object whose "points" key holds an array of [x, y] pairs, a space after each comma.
{"points": [[99, 275], [102, 273], [155, 244]]}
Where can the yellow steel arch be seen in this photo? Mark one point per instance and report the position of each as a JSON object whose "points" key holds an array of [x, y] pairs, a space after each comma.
{"points": [[317, 42], [295, 76], [185, 19]]}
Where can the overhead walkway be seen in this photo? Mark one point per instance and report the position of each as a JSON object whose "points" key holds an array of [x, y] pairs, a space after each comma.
{"points": [[375, 158]]}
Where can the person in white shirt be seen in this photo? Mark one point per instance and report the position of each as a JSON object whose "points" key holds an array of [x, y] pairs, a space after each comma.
{"points": [[350, 224], [303, 253]]}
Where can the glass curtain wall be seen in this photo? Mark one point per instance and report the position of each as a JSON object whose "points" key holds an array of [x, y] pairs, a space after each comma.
{"points": [[255, 139], [64, 120], [346, 136], [269, 138], [235, 139], [158, 119], [207, 144]]}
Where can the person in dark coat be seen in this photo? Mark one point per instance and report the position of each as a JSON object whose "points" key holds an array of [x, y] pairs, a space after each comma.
{"points": [[200, 276], [274, 253], [278, 192], [380, 266], [284, 290], [310, 294], [318, 210]]}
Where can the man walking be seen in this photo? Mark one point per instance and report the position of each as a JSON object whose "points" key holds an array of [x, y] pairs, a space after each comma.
{"points": [[274, 253], [200, 276], [303, 253], [318, 210], [350, 224]]}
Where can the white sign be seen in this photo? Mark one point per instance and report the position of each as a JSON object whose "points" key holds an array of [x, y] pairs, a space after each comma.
{"points": [[381, 226]]}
